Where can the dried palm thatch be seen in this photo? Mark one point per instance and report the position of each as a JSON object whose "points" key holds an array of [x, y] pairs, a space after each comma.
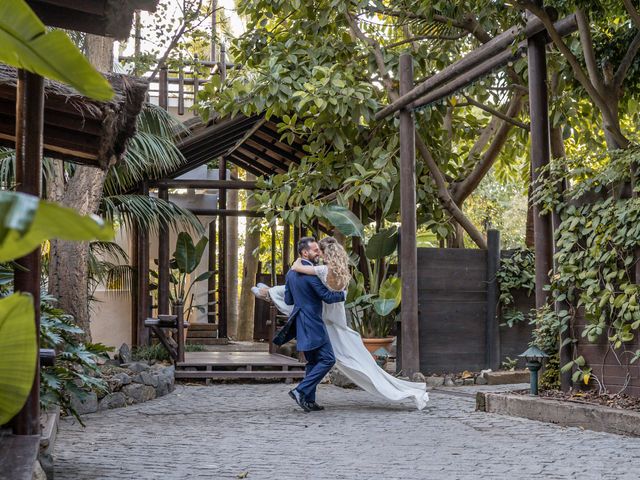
{"points": [[77, 128]]}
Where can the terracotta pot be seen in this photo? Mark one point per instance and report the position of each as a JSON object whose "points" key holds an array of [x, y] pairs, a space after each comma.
{"points": [[373, 344]]}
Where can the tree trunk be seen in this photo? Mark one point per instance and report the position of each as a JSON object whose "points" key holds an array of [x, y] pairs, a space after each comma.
{"points": [[250, 270], [69, 261], [232, 264]]}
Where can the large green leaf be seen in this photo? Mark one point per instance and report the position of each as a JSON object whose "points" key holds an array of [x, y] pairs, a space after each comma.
{"points": [[200, 246], [17, 353], [344, 220], [382, 244], [26, 222], [185, 253], [389, 297], [27, 44]]}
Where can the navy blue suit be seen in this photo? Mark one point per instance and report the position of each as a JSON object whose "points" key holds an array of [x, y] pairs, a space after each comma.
{"points": [[306, 293]]}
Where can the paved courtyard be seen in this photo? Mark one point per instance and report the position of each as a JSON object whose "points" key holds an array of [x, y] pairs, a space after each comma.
{"points": [[255, 432]]}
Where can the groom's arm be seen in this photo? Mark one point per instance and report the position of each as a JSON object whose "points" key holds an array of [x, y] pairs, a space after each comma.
{"points": [[288, 298], [325, 294]]}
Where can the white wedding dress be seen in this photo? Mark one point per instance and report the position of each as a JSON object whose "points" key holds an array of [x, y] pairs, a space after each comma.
{"points": [[352, 358]]}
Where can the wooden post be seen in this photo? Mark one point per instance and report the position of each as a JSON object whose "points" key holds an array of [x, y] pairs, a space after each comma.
{"points": [[137, 43], [196, 80], [274, 277], [409, 253], [178, 311], [296, 239], [163, 260], [214, 30], [181, 89], [286, 248], [28, 170], [142, 280], [211, 265], [492, 327], [222, 253], [163, 88], [540, 154], [223, 62]]}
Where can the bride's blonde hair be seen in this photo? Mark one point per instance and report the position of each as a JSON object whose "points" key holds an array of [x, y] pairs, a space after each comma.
{"points": [[336, 258]]}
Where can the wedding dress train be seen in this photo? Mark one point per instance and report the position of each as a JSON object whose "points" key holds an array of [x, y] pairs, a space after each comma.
{"points": [[352, 358]]}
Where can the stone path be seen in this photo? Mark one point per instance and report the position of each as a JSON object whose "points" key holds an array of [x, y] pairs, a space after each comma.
{"points": [[255, 432]]}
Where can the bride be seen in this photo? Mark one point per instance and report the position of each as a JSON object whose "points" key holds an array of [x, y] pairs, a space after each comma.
{"points": [[352, 358]]}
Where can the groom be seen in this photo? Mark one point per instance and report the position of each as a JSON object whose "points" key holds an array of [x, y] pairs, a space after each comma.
{"points": [[306, 293]]}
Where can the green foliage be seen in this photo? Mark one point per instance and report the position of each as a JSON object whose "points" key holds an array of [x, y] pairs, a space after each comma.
{"points": [[509, 363], [516, 272], [597, 242], [158, 353], [17, 353], [76, 371], [27, 44], [550, 378], [26, 222], [344, 220]]}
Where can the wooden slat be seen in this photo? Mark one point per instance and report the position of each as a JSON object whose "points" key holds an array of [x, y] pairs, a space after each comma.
{"points": [[231, 359], [18, 454], [239, 374]]}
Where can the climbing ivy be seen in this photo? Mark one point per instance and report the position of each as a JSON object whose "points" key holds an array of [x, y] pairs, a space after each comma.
{"points": [[516, 272], [596, 246]]}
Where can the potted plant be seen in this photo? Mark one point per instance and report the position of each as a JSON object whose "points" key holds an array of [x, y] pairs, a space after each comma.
{"points": [[183, 263], [374, 296], [373, 300]]}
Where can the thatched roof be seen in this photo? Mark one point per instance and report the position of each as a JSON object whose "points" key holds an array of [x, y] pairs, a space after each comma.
{"points": [[108, 18], [76, 128]]}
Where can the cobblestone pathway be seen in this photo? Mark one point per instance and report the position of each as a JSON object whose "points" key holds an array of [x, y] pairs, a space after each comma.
{"points": [[255, 432]]}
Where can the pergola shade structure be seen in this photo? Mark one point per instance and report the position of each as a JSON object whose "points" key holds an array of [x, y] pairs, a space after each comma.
{"points": [[76, 128], [107, 18], [251, 143]]}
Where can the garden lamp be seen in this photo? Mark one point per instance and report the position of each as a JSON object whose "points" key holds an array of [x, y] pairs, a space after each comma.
{"points": [[534, 357]]}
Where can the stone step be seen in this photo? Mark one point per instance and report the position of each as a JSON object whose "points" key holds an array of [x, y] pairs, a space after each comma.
{"points": [[207, 341], [203, 326], [202, 333]]}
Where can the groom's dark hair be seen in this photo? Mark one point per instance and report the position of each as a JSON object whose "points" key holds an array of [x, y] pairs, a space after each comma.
{"points": [[303, 244]]}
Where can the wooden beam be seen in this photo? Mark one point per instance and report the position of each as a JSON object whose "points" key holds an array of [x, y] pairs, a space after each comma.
{"points": [[211, 283], [286, 248], [492, 325], [211, 212], [464, 72], [163, 261], [540, 156], [264, 155], [207, 184], [142, 281], [409, 249], [163, 85], [222, 254], [28, 170]]}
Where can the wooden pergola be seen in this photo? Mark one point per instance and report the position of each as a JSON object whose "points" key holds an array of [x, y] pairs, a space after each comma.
{"points": [[482, 61], [251, 143], [41, 122]]}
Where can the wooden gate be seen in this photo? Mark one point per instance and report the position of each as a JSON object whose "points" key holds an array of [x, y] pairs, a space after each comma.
{"points": [[453, 299]]}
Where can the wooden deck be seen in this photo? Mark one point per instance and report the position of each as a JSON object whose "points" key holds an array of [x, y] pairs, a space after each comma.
{"points": [[238, 365]]}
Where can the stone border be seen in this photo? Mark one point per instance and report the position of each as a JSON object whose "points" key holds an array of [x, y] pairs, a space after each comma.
{"points": [[568, 414]]}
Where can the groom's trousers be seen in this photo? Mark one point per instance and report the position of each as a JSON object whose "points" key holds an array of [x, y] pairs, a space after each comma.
{"points": [[319, 362]]}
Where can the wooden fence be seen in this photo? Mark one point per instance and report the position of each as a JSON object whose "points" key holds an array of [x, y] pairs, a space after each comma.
{"points": [[454, 298]]}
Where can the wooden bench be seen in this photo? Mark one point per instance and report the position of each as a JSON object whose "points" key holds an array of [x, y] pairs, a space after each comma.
{"points": [[18, 454], [170, 322]]}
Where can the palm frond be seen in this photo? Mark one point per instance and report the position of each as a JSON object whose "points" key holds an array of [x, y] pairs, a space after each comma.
{"points": [[157, 121], [151, 153], [110, 249], [7, 168], [148, 213]]}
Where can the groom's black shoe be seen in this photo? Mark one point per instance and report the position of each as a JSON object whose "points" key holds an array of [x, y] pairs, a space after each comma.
{"points": [[314, 407], [299, 399]]}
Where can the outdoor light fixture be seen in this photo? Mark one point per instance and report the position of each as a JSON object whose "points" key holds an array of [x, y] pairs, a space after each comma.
{"points": [[534, 357]]}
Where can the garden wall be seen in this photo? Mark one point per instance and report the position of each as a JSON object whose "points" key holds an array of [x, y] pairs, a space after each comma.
{"points": [[452, 309], [611, 367]]}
